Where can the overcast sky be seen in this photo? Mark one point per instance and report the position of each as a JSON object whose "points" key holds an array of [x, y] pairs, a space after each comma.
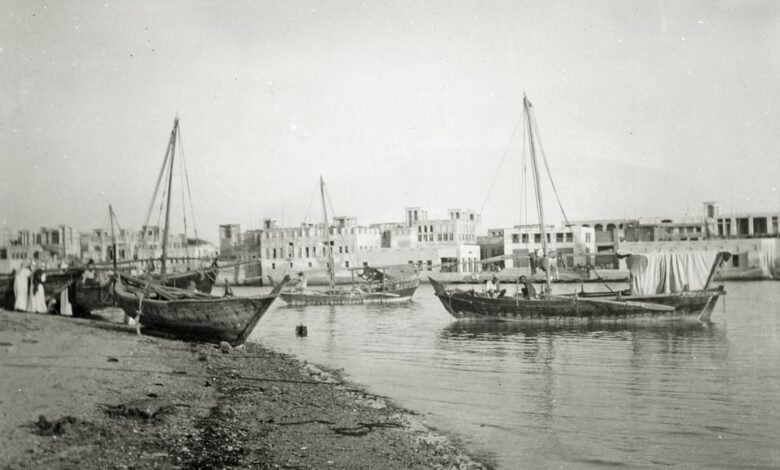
{"points": [[645, 108]]}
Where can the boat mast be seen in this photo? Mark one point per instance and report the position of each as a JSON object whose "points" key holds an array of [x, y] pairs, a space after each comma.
{"points": [[172, 146], [331, 267], [537, 186], [113, 237]]}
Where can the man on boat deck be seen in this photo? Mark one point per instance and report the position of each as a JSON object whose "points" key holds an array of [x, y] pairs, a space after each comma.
{"points": [[528, 290], [302, 283], [88, 277], [493, 288]]}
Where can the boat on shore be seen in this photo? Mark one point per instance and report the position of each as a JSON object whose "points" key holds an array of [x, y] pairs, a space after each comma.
{"points": [[373, 285], [192, 315], [665, 285], [187, 313]]}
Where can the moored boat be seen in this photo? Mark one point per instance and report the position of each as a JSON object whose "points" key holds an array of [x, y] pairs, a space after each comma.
{"points": [[191, 315], [373, 285], [665, 285]]}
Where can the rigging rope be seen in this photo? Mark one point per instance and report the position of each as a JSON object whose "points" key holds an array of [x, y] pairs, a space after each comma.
{"points": [[189, 194], [503, 157], [555, 191], [308, 209]]}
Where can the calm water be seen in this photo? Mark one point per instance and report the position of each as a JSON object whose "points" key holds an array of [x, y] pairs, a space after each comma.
{"points": [[533, 397]]}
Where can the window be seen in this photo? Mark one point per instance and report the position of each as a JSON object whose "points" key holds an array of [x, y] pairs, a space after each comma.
{"points": [[291, 265], [525, 238], [341, 249], [274, 257], [309, 263], [559, 237], [587, 238], [569, 237], [365, 264], [537, 238], [307, 251], [273, 265], [346, 264], [515, 238], [419, 237]]}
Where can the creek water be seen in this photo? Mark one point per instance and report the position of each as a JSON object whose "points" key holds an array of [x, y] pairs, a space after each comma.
{"points": [[633, 395]]}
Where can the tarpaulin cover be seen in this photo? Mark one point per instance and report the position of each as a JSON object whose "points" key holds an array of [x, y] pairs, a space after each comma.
{"points": [[667, 272]]}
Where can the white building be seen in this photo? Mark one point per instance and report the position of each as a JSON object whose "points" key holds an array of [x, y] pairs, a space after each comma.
{"points": [[433, 245], [572, 244]]}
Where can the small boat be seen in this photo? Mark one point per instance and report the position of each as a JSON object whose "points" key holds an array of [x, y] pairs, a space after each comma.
{"points": [[374, 285], [192, 315], [667, 285]]}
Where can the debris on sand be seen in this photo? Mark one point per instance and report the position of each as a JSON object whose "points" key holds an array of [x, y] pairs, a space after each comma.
{"points": [[44, 427], [145, 408]]}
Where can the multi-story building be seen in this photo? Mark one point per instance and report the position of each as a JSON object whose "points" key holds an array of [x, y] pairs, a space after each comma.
{"points": [[43, 244], [573, 245], [440, 245]]}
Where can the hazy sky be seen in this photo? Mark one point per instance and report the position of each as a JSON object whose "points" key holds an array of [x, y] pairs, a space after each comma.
{"points": [[645, 107]]}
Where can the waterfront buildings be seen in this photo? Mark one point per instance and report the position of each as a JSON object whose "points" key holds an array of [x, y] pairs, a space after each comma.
{"points": [[66, 242], [573, 245], [447, 244]]}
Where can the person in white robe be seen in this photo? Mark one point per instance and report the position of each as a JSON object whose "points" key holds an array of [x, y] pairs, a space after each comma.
{"points": [[65, 307], [22, 287], [37, 299]]}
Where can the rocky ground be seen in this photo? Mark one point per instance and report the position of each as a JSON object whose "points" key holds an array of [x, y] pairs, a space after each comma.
{"points": [[89, 394]]}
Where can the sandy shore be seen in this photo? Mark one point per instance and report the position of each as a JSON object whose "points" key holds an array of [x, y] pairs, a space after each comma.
{"points": [[96, 383]]}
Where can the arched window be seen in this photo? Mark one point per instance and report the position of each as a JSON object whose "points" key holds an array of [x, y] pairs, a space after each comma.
{"points": [[610, 227], [598, 227]]}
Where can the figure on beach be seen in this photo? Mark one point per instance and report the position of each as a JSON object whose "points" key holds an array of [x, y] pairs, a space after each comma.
{"points": [[22, 287], [37, 299]]}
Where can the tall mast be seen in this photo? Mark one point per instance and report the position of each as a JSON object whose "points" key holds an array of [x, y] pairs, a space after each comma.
{"points": [[172, 146], [113, 237], [331, 267], [537, 186]]}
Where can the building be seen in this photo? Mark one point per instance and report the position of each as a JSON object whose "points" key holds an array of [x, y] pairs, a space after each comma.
{"points": [[447, 244], [574, 244], [42, 244]]}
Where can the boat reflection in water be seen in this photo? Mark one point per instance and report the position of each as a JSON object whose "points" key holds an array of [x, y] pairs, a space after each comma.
{"points": [[471, 330]]}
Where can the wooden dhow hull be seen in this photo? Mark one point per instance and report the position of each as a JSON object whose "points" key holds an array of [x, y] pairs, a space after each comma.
{"points": [[695, 305], [213, 319], [399, 292], [91, 297]]}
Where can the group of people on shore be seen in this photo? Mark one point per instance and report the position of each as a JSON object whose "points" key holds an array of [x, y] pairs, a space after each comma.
{"points": [[29, 287], [29, 292]]}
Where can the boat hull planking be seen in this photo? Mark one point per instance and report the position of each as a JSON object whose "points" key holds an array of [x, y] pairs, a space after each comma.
{"points": [[229, 319]]}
